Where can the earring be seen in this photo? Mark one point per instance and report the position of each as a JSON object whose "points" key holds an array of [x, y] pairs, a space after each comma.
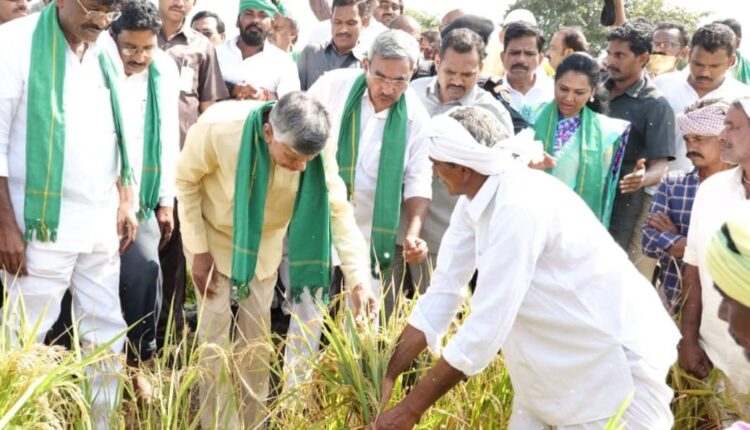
{"points": [[591, 99]]}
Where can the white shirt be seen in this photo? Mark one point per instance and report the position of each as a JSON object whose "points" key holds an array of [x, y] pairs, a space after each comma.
{"points": [[554, 291], [717, 197], [680, 95], [88, 213], [332, 89], [543, 91], [271, 69], [133, 102]]}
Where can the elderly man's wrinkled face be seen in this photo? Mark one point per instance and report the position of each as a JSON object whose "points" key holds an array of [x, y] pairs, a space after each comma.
{"points": [[452, 175], [738, 318], [387, 79], [735, 139], [12, 9]]}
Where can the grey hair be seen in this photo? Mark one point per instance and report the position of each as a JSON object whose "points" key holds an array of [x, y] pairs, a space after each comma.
{"points": [[302, 122], [484, 127], [395, 45]]}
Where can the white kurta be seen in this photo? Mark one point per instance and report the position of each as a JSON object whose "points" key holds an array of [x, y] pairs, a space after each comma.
{"points": [[88, 213], [716, 198], [271, 69], [554, 291], [332, 89], [680, 95], [543, 91], [133, 101]]}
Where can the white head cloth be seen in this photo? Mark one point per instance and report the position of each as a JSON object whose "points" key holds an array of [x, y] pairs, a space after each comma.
{"points": [[706, 121], [451, 142]]}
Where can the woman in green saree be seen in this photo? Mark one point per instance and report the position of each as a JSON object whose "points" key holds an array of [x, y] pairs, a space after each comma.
{"points": [[583, 147]]}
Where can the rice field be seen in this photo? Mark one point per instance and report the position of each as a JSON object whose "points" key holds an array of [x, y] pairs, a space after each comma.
{"points": [[46, 387]]}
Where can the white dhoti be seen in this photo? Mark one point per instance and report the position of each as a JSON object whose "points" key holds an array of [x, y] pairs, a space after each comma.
{"points": [[93, 279]]}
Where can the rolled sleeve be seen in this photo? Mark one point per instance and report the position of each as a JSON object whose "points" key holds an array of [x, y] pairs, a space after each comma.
{"points": [[347, 238], [198, 158], [418, 170], [436, 309]]}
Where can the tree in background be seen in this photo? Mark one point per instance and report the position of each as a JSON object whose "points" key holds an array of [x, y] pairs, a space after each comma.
{"points": [[426, 21], [551, 15]]}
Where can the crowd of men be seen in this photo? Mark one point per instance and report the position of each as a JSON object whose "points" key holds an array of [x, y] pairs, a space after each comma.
{"points": [[140, 144]]}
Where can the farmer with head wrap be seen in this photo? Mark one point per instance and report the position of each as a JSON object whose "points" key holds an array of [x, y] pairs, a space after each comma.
{"points": [[706, 342], [252, 68], [665, 230], [729, 263], [579, 327]]}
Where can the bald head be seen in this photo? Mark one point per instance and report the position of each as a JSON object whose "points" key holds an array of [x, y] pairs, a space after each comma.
{"points": [[450, 17], [407, 24]]}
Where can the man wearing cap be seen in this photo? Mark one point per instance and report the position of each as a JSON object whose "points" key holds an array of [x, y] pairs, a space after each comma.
{"points": [[728, 260], [712, 53], [665, 230], [705, 341], [580, 329], [243, 182], [252, 68]]}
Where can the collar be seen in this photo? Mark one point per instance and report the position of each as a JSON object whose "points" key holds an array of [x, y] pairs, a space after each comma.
{"points": [[356, 52], [185, 31], [484, 197], [432, 93], [634, 90], [540, 76]]}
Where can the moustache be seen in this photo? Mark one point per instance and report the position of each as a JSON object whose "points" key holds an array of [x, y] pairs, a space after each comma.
{"points": [[613, 69], [92, 27], [251, 26], [519, 66], [460, 87], [694, 154], [703, 79], [343, 35], [136, 64]]}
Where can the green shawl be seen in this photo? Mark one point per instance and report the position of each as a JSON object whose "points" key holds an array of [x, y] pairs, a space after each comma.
{"points": [[310, 227], [743, 69], [45, 127], [387, 210], [600, 138], [151, 173]]}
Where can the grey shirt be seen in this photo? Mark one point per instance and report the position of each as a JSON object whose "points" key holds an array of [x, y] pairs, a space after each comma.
{"points": [[318, 58], [652, 136], [442, 203]]}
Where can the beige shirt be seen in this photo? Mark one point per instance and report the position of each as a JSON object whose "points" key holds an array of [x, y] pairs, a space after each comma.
{"points": [[205, 192]]}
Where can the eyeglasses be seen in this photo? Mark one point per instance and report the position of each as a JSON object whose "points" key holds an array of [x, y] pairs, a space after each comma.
{"points": [[389, 5], [96, 15], [396, 82], [135, 51], [666, 45]]}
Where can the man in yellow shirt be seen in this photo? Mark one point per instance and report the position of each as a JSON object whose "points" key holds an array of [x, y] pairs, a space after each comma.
{"points": [[275, 153]]}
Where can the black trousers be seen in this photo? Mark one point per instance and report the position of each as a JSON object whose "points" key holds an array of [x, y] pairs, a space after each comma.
{"points": [[173, 269]]}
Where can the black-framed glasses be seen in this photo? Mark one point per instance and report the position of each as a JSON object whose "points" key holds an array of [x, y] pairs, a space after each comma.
{"points": [[96, 15]]}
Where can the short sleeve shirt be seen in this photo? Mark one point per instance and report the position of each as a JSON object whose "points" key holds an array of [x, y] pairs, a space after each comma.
{"points": [[200, 76], [653, 124]]}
